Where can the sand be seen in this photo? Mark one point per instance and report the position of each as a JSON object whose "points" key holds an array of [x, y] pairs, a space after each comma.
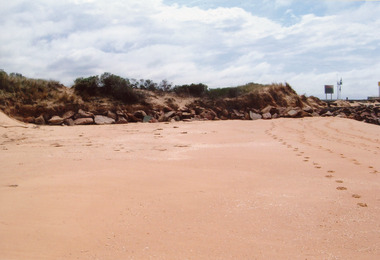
{"points": [[278, 189]]}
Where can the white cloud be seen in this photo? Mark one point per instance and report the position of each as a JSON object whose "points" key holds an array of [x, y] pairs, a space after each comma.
{"points": [[220, 46]]}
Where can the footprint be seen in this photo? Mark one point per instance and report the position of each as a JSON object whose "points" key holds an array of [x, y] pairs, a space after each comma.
{"points": [[330, 171], [12, 185], [339, 181], [356, 196], [341, 188], [361, 204], [318, 167], [328, 176]]}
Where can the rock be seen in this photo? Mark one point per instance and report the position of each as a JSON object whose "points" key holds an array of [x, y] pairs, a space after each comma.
{"points": [[28, 119], [246, 116], [84, 121], [103, 120], [237, 113], [328, 113], [111, 115], [121, 120], [225, 113], [132, 118], [314, 114], [68, 114], [120, 113], [365, 114], [266, 109], [83, 114], [294, 113], [342, 115], [270, 109], [140, 114], [69, 122], [267, 115], [254, 116], [185, 115], [153, 120], [168, 115], [208, 114], [56, 120], [39, 120], [308, 109], [161, 116]]}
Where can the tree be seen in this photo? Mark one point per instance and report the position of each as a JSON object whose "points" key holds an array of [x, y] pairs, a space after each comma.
{"points": [[89, 86], [165, 85]]}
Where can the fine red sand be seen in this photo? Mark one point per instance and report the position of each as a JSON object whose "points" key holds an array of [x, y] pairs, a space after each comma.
{"points": [[278, 189]]}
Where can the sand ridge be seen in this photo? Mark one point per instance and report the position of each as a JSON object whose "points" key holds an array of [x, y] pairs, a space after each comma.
{"points": [[284, 189]]}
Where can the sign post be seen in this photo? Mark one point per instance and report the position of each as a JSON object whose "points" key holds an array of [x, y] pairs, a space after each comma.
{"points": [[329, 89]]}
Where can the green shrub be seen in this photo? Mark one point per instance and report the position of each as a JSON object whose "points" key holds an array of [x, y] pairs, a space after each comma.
{"points": [[195, 90]]}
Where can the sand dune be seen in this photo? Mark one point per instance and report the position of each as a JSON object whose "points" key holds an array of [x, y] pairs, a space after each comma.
{"points": [[278, 189]]}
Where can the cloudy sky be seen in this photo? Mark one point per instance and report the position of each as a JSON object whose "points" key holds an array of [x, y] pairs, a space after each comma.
{"points": [[217, 42]]}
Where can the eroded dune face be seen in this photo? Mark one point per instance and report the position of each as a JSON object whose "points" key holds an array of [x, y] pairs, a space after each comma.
{"points": [[278, 189], [7, 122]]}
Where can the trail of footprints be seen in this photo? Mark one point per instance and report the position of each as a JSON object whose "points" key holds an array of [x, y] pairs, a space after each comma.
{"points": [[322, 134], [316, 165]]}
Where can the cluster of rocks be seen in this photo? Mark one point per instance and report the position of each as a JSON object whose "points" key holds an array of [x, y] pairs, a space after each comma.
{"points": [[367, 113], [82, 117]]}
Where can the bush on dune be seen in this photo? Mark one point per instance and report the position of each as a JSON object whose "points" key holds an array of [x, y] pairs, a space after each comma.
{"points": [[108, 85]]}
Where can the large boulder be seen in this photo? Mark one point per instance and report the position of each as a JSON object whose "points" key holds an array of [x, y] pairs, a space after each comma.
{"points": [[84, 121], [140, 114], [56, 120], [254, 116], [69, 122], [111, 115], [68, 114], [167, 116], [294, 113], [328, 113], [103, 120], [267, 115], [121, 120], [270, 109], [83, 114], [208, 114], [39, 120]]}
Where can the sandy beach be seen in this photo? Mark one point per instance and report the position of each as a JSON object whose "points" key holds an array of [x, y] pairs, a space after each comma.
{"points": [[268, 189]]}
